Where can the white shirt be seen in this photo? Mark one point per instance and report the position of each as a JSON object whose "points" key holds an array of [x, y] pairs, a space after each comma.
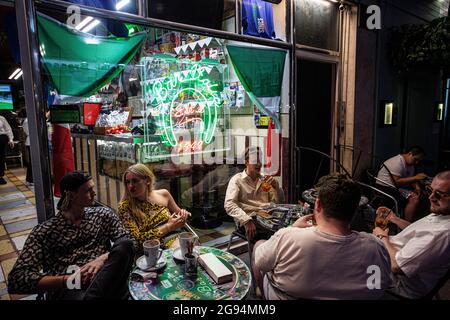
{"points": [[25, 129], [6, 129], [244, 197], [310, 264], [398, 167], [423, 255]]}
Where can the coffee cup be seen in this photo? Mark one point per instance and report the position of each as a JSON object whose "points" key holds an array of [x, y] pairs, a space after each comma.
{"points": [[187, 242], [152, 252]]}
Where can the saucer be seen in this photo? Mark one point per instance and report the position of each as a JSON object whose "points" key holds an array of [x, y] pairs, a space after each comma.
{"points": [[177, 254], [141, 263]]}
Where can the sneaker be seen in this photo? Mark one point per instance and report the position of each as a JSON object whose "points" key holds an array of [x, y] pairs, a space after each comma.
{"points": [[3, 181], [30, 184]]}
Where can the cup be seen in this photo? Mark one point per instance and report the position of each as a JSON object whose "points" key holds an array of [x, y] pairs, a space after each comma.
{"points": [[265, 186], [190, 266], [152, 252], [381, 220], [187, 242]]}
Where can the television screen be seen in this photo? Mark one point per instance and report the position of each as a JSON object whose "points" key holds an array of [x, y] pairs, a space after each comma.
{"points": [[6, 100], [68, 113], [203, 13]]}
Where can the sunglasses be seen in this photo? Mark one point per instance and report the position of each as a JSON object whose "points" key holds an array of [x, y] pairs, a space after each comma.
{"points": [[437, 194]]}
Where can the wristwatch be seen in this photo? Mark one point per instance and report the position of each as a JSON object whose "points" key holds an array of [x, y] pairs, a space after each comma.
{"points": [[380, 236]]}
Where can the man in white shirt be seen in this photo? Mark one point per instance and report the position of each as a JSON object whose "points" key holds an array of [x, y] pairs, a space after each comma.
{"points": [[247, 193], [398, 178], [320, 257], [6, 138], [420, 254]]}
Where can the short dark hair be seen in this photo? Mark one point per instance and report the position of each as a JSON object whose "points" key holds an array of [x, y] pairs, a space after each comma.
{"points": [[339, 196], [415, 150]]}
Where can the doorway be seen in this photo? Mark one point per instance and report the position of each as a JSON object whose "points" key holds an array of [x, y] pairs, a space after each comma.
{"points": [[315, 104]]}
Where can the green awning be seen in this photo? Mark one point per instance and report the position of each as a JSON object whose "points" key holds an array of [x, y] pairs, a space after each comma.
{"points": [[79, 64]]}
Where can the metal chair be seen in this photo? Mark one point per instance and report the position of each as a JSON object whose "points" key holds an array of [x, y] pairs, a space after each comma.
{"points": [[14, 153], [434, 293]]}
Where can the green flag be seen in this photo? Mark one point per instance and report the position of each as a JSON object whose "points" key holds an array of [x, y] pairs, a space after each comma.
{"points": [[79, 64], [261, 73]]}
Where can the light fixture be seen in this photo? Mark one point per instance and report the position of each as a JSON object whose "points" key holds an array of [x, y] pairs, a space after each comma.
{"points": [[83, 23], [388, 113], [91, 26], [439, 111], [14, 73], [18, 75], [122, 4]]}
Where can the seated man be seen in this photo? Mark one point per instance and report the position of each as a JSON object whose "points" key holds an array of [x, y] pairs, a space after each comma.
{"points": [[420, 253], [245, 194], [77, 239], [398, 172], [326, 260]]}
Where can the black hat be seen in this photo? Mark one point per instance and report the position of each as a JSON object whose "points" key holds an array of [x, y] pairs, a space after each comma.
{"points": [[71, 182]]}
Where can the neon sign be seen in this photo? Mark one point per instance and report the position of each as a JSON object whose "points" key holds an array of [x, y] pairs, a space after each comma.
{"points": [[184, 99]]}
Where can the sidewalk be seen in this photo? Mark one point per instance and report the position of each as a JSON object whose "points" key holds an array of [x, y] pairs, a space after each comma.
{"points": [[17, 218]]}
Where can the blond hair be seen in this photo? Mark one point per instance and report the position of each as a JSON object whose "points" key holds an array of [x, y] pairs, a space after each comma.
{"points": [[143, 172]]}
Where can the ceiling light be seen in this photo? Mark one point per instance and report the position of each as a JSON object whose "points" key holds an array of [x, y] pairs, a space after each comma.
{"points": [[122, 4], [84, 23], [14, 73], [91, 26], [18, 75]]}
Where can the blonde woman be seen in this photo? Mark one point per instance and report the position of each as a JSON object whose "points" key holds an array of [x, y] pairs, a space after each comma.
{"points": [[148, 213]]}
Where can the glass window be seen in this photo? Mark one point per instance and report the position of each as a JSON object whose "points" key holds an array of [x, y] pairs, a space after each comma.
{"points": [[171, 100], [316, 24]]}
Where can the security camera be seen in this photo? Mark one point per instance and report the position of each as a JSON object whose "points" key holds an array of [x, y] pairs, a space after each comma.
{"points": [[341, 7]]}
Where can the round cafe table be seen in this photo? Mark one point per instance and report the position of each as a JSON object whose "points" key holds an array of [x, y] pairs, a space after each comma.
{"points": [[172, 283]]}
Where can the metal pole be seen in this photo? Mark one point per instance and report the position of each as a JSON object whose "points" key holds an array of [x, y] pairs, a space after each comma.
{"points": [[32, 83]]}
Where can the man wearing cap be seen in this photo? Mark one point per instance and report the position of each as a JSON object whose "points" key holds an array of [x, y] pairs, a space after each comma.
{"points": [[70, 256]]}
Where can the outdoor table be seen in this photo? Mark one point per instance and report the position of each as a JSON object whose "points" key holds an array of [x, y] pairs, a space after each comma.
{"points": [[279, 216], [173, 284]]}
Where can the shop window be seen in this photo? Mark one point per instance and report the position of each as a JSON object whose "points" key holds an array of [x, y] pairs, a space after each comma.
{"points": [[317, 24], [213, 14], [181, 103]]}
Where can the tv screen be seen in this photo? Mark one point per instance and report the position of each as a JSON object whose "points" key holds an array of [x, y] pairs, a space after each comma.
{"points": [[6, 100], [202, 13]]}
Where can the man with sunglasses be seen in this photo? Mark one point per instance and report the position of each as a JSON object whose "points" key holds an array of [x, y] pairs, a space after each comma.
{"points": [[420, 253]]}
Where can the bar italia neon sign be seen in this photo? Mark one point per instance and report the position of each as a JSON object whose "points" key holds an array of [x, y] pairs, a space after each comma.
{"points": [[183, 98]]}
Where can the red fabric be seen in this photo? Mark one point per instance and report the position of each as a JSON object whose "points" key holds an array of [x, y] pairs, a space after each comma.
{"points": [[62, 155], [273, 137]]}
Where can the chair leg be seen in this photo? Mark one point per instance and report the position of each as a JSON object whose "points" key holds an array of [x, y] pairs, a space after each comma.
{"points": [[229, 242]]}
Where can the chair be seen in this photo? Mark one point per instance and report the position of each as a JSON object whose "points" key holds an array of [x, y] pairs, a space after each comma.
{"points": [[380, 196], [434, 293], [364, 218], [13, 153], [239, 234], [314, 164]]}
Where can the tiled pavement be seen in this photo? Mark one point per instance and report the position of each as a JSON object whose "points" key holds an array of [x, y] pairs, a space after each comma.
{"points": [[17, 218]]}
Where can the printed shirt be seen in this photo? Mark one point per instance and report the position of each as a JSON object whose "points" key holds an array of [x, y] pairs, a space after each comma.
{"points": [[257, 19], [155, 216], [55, 245]]}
